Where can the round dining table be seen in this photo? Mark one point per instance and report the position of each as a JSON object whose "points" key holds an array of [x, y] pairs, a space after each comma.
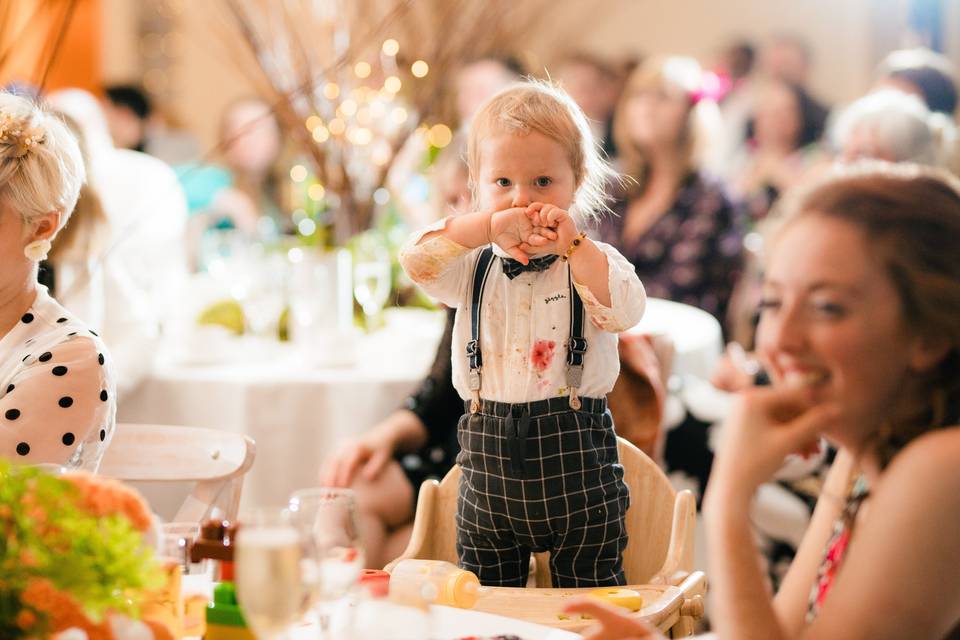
{"points": [[300, 408]]}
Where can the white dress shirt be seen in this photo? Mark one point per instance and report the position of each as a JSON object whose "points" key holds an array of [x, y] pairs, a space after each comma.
{"points": [[525, 322]]}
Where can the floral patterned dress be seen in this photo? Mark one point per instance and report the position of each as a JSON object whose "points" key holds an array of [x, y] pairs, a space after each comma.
{"points": [[693, 252], [837, 547]]}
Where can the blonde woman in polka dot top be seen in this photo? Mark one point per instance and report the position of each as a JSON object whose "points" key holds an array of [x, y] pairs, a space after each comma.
{"points": [[57, 394]]}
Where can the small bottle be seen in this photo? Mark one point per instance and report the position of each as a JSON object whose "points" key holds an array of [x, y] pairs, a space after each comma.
{"points": [[424, 582]]}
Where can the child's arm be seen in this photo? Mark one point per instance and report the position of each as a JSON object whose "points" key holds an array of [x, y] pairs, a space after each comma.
{"points": [[437, 263], [510, 229], [469, 230], [627, 300], [589, 267]]}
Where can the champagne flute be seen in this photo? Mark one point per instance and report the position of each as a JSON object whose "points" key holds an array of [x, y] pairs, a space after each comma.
{"points": [[331, 515], [276, 573], [371, 276]]}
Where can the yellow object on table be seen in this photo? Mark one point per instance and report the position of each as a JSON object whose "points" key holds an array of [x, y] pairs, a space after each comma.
{"points": [[619, 597], [165, 604]]}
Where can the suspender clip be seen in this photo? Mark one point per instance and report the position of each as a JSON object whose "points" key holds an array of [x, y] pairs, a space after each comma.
{"points": [[574, 375], [473, 383], [575, 403], [577, 345], [473, 348], [475, 401]]}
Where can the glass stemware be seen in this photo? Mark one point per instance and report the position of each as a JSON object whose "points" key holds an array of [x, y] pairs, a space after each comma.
{"points": [[371, 275], [331, 515], [276, 573]]}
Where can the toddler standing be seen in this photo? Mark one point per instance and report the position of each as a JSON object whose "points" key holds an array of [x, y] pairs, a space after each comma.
{"points": [[539, 306]]}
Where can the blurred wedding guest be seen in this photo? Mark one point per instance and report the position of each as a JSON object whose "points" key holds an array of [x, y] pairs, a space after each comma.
{"points": [[923, 73], [861, 335], [93, 286], [136, 123], [479, 79], [242, 190], [735, 74], [674, 222], [387, 465], [128, 110], [143, 201], [893, 126], [57, 396], [595, 86], [787, 57], [785, 130]]}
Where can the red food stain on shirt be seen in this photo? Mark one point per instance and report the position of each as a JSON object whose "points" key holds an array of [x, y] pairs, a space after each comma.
{"points": [[541, 355]]}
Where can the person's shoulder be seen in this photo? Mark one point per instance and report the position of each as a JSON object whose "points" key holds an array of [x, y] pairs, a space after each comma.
{"points": [[61, 327], [928, 466], [608, 248]]}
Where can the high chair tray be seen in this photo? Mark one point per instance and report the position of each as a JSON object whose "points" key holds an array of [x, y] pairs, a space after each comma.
{"points": [[661, 603]]}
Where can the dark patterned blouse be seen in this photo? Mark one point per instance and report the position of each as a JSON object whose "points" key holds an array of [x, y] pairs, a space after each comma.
{"points": [[694, 253]]}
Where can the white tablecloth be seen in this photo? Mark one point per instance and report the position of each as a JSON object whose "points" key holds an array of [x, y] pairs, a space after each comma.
{"points": [[696, 335], [299, 413]]}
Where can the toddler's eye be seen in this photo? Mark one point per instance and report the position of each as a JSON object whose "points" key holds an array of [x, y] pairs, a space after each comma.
{"points": [[544, 181], [503, 182]]}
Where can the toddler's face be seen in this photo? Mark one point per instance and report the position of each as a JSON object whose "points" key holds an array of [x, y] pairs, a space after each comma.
{"points": [[517, 170]]}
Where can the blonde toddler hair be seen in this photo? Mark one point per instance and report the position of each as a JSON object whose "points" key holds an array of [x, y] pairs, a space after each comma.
{"points": [[41, 168], [545, 108]]}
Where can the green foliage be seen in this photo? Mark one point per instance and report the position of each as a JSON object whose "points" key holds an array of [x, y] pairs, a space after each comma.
{"points": [[102, 562]]}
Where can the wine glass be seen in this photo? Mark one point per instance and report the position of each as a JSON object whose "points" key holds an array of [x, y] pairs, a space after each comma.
{"points": [[371, 276], [276, 573], [331, 515], [266, 297]]}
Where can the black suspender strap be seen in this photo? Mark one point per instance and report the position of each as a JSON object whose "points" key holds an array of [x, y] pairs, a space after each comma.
{"points": [[474, 357], [577, 344]]}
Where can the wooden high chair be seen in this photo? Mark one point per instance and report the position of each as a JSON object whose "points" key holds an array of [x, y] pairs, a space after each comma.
{"points": [[659, 553]]}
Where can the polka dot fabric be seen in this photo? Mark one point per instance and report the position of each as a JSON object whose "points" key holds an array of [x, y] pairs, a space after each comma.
{"points": [[57, 393]]}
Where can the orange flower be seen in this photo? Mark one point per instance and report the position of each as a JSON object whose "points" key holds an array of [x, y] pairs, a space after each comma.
{"points": [[26, 619], [63, 611], [27, 558], [104, 496]]}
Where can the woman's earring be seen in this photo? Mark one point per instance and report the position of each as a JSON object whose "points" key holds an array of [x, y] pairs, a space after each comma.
{"points": [[37, 250]]}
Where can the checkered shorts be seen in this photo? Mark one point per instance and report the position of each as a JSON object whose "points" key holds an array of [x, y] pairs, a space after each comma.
{"points": [[541, 477]]}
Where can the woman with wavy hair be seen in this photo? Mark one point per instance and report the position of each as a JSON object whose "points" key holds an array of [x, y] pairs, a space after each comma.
{"points": [[860, 332]]}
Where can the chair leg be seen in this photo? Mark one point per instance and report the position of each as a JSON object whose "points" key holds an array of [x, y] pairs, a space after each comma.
{"points": [[683, 628], [542, 570]]}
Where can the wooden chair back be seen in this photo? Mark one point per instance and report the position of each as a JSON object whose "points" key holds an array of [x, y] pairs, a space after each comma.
{"points": [[214, 460]]}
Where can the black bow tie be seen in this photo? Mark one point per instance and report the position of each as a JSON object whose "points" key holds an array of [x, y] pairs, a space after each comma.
{"points": [[512, 268]]}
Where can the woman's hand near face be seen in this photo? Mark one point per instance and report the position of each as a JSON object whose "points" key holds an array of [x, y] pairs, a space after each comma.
{"points": [[764, 426]]}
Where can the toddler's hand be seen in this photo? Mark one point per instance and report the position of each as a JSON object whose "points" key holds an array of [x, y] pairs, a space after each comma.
{"points": [[547, 218], [514, 232]]}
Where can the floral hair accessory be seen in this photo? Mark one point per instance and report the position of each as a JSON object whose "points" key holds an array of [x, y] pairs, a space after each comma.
{"points": [[15, 133], [712, 86]]}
